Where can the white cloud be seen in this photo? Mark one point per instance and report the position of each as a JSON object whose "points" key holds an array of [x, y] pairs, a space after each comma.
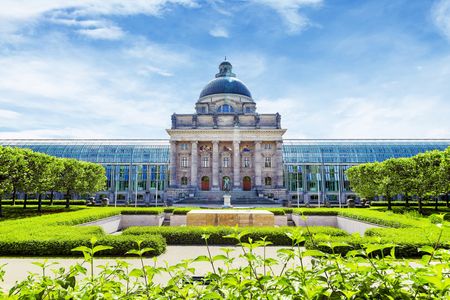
{"points": [[103, 33], [220, 32], [8, 115], [441, 16], [16, 14], [289, 10]]}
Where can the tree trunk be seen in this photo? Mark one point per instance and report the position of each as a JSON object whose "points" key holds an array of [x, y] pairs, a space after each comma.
{"points": [[51, 197], [40, 203], [25, 198], [68, 199], [436, 199], [1, 208], [406, 200], [389, 202], [14, 196], [420, 205], [446, 199]]}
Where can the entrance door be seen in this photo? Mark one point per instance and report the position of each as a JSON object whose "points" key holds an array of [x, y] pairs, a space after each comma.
{"points": [[205, 183], [246, 183]]}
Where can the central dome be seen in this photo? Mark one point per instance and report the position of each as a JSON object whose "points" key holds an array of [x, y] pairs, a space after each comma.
{"points": [[225, 83]]}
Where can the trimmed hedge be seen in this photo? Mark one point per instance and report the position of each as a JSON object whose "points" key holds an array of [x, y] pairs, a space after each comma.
{"points": [[406, 231], [192, 235], [278, 211], [411, 203], [56, 234], [142, 211], [44, 202], [63, 246]]}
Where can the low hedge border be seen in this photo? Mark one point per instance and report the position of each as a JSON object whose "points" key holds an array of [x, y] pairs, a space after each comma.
{"points": [[56, 235], [277, 211], [192, 235], [44, 202]]}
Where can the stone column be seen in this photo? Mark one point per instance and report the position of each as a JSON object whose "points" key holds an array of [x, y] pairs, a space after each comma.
{"points": [[194, 163], [258, 165], [215, 165], [279, 164], [173, 164], [236, 166]]}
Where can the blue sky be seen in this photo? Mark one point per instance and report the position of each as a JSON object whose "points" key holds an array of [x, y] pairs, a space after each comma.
{"points": [[119, 69]]}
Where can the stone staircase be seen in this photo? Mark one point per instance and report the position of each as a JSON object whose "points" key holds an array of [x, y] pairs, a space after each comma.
{"points": [[216, 198]]}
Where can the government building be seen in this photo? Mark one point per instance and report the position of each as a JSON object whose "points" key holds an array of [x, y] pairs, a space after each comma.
{"points": [[227, 146]]}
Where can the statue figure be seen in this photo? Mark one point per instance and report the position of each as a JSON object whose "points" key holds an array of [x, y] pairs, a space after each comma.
{"points": [[257, 120], [278, 118], [236, 120], [226, 184], [194, 121], [174, 121], [215, 120]]}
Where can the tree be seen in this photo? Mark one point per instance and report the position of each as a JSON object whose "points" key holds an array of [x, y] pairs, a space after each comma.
{"points": [[56, 170], [445, 173], [18, 173], [363, 179], [39, 175], [6, 164], [426, 175], [93, 178], [70, 179], [394, 178]]}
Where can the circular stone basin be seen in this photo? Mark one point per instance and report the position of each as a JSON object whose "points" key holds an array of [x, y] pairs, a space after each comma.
{"points": [[230, 217]]}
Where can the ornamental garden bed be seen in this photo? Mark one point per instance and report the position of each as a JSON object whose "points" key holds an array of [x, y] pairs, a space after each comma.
{"points": [[57, 234]]}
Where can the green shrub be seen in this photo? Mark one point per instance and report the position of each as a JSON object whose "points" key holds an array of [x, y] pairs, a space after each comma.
{"points": [[44, 202], [57, 234], [142, 211], [192, 235]]}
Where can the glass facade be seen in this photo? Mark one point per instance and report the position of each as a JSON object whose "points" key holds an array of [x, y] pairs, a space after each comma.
{"points": [[313, 169]]}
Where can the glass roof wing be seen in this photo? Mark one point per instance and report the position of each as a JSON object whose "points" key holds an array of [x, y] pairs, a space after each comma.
{"points": [[100, 151]]}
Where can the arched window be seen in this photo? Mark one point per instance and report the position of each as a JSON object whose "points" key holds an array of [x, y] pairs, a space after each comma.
{"points": [[226, 108], [268, 181], [184, 180]]}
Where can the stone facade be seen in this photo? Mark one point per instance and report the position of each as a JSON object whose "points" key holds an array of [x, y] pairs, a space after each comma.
{"points": [[226, 145]]}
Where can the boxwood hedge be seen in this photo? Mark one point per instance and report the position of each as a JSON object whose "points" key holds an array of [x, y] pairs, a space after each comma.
{"points": [[192, 235], [56, 234]]}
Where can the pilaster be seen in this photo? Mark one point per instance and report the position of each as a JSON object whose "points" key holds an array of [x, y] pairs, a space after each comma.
{"points": [[215, 165], [258, 164], [194, 163], [236, 165], [173, 164]]}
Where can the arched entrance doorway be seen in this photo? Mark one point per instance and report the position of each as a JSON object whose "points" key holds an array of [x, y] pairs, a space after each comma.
{"points": [[205, 183], [226, 184], [246, 183]]}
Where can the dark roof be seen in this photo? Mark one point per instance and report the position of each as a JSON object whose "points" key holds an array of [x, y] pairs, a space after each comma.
{"points": [[225, 85]]}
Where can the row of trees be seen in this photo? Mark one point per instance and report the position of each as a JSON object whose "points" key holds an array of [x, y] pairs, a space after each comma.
{"points": [[22, 170], [424, 175]]}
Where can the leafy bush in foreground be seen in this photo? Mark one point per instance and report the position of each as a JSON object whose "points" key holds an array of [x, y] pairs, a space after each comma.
{"points": [[369, 272]]}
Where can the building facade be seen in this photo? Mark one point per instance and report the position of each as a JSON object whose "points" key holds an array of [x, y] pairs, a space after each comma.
{"points": [[226, 146]]}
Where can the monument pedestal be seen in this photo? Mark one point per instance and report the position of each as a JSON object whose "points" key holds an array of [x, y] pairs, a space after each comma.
{"points": [[226, 200]]}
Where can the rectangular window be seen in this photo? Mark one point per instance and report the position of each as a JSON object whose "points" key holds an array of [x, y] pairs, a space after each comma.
{"points": [[205, 162], [268, 162], [183, 146], [226, 162], [184, 162], [267, 146]]}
